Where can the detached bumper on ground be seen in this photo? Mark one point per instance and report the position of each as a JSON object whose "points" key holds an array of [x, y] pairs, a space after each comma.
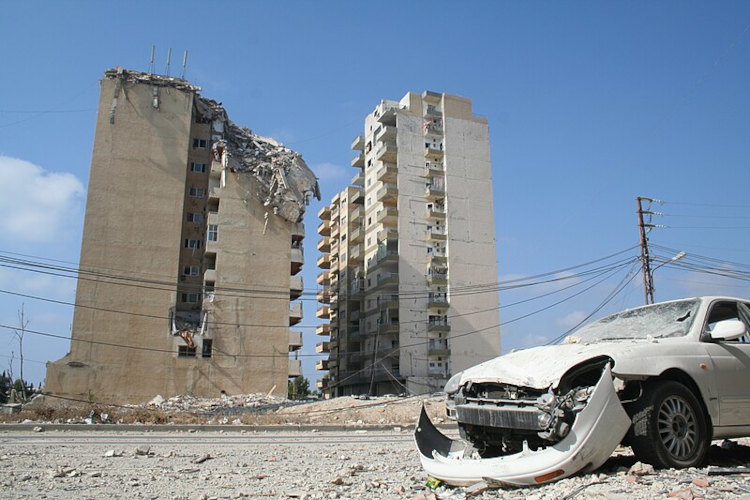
{"points": [[595, 434]]}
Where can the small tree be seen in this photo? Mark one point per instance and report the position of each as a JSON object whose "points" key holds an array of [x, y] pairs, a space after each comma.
{"points": [[299, 388], [19, 332]]}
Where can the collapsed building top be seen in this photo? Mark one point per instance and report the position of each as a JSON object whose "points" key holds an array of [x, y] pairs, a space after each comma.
{"points": [[285, 182]]}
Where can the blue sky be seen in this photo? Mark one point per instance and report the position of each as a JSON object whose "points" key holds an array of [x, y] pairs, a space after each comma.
{"points": [[590, 105]]}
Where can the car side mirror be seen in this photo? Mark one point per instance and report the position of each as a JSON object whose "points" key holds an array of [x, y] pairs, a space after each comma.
{"points": [[729, 329]]}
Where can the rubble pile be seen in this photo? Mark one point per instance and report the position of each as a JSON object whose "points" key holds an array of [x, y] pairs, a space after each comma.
{"points": [[285, 182], [224, 404]]}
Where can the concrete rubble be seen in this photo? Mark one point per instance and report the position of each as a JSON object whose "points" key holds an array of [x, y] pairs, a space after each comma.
{"points": [[285, 182]]}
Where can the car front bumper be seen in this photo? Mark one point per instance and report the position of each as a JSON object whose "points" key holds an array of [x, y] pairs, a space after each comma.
{"points": [[596, 432]]}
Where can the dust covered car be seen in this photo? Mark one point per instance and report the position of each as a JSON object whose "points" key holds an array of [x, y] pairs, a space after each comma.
{"points": [[664, 378]]}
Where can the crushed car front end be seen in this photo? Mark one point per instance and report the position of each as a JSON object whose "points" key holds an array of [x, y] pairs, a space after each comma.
{"points": [[520, 435]]}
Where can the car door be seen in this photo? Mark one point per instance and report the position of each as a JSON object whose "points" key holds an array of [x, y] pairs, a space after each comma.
{"points": [[731, 363]]}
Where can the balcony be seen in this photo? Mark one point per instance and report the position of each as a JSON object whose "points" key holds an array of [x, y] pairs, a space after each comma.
{"points": [[357, 285], [437, 324], [386, 134], [295, 287], [295, 368], [356, 253], [434, 126], [324, 213], [324, 278], [324, 261], [387, 153], [388, 279], [298, 231], [322, 364], [355, 215], [358, 180], [391, 327], [209, 275], [433, 168], [334, 302], [324, 245], [335, 230], [358, 161], [358, 144], [386, 173], [387, 193], [321, 384], [436, 235], [388, 302], [323, 330], [435, 257], [434, 278], [323, 347], [323, 312], [323, 296], [435, 190], [295, 313], [356, 235], [216, 169], [438, 347], [295, 340], [297, 260], [335, 265], [388, 216], [386, 114], [434, 154], [433, 111], [324, 229], [387, 234], [437, 299], [436, 212]]}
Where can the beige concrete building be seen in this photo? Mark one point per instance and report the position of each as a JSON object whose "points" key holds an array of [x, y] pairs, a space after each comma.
{"points": [[409, 258], [192, 245]]}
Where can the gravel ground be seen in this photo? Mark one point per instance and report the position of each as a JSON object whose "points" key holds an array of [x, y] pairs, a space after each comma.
{"points": [[350, 464]]}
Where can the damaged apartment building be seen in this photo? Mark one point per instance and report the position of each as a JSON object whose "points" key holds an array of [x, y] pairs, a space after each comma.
{"points": [[192, 245], [408, 264]]}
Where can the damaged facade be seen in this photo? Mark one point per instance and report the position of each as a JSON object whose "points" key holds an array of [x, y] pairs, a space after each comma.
{"points": [[191, 250], [402, 246]]}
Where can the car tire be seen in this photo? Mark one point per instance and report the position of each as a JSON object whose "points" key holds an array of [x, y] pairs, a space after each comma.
{"points": [[669, 426]]}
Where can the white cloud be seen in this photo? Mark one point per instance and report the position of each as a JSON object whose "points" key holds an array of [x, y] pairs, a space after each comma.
{"points": [[37, 205], [329, 171]]}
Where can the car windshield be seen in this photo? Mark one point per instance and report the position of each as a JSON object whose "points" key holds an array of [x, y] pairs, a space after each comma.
{"points": [[672, 319]]}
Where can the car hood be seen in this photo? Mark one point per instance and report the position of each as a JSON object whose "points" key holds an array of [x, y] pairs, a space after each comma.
{"points": [[541, 367]]}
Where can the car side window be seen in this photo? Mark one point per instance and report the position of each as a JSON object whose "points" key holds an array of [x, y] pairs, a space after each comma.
{"points": [[722, 311]]}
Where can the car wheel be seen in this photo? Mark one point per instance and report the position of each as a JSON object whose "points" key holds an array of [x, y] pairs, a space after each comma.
{"points": [[669, 426]]}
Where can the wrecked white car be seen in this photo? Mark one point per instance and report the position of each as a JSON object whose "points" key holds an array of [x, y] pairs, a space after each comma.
{"points": [[664, 379]]}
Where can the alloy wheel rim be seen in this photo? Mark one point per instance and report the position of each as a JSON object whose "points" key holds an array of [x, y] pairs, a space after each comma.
{"points": [[678, 427]]}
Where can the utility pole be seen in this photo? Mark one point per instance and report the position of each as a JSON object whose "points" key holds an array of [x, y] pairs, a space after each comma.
{"points": [[648, 278]]}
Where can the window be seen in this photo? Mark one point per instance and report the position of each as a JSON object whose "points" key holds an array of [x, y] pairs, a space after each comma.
{"points": [[189, 298], [191, 270], [198, 167], [200, 143], [194, 217], [197, 192], [213, 232], [184, 351], [208, 346], [190, 243]]}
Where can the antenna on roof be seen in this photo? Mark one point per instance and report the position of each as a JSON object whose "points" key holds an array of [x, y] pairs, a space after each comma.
{"points": [[151, 66], [169, 58], [184, 65]]}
